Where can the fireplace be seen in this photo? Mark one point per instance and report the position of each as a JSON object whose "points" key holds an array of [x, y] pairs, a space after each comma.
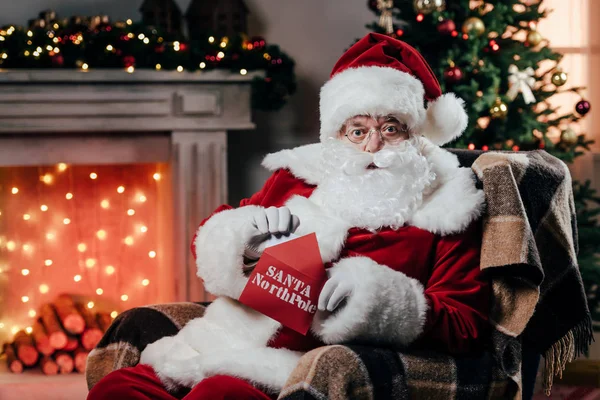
{"points": [[104, 176]]}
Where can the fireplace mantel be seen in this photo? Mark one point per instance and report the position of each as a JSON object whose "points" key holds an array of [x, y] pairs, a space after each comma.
{"points": [[39, 101], [111, 116]]}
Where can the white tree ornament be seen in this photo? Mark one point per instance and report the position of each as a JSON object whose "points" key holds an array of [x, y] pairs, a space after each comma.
{"points": [[521, 81]]}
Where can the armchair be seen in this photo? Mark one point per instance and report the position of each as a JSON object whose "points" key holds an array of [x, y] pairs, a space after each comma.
{"points": [[529, 247]]}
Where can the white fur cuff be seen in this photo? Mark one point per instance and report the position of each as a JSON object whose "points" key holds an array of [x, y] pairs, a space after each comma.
{"points": [[220, 246], [386, 307]]}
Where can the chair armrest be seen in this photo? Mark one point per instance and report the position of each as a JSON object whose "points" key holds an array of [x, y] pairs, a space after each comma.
{"points": [[132, 331]]}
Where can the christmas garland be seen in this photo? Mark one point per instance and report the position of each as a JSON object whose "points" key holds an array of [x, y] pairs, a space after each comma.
{"points": [[95, 42]]}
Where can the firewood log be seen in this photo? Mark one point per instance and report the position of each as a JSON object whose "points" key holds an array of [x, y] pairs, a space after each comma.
{"points": [[92, 333], [72, 343], [80, 357], [25, 349], [48, 366], [64, 361], [68, 315], [104, 320], [14, 364], [42, 342], [56, 335]]}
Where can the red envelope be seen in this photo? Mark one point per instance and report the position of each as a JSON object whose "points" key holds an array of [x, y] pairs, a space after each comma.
{"points": [[286, 283]]}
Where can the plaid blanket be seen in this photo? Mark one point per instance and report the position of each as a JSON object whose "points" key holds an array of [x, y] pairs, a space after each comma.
{"points": [[528, 251]]}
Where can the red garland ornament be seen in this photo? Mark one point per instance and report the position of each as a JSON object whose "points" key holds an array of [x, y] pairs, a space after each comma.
{"points": [[58, 60], [453, 74], [446, 27], [583, 107], [258, 42], [129, 61]]}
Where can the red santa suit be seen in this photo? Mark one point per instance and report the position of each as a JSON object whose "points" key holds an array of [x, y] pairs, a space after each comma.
{"points": [[419, 284], [439, 250]]}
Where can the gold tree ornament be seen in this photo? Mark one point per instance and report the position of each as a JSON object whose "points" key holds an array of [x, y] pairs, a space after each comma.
{"points": [[534, 38], [429, 6], [474, 26], [386, 22], [568, 137], [499, 110], [559, 77]]}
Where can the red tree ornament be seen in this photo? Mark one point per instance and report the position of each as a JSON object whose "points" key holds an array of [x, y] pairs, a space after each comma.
{"points": [[446, 27], [583, 107], [453, 74]]}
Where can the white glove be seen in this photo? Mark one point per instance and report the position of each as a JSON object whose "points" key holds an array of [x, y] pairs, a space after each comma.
{"points": [[270, 221], [337, 288], [276, 220]]}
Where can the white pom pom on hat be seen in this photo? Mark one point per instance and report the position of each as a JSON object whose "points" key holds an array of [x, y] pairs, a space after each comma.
{"points": [[380, 75]]}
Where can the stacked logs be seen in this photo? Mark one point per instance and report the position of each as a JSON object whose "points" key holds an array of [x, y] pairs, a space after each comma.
{"points": [[60, 338]]}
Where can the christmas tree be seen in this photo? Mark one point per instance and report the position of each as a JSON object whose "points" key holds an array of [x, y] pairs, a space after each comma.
{"points": [[491, 55]]}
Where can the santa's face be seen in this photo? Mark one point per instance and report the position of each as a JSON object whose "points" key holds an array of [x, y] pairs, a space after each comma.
{"points": [[371, 134], [378, 182]]}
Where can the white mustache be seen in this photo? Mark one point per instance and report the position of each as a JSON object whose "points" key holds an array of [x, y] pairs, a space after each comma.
{"points": [[387, 158], [356, 163]]}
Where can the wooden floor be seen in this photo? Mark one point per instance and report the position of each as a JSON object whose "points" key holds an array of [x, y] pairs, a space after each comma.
{"points": [[570, 393], [33, 385]]}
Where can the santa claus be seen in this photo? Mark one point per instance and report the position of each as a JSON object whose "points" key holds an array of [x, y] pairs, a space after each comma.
{"points": [[396, 222]]}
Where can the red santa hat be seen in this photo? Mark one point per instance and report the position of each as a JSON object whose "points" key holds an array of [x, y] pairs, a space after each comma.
{"points": [[380, 76]]}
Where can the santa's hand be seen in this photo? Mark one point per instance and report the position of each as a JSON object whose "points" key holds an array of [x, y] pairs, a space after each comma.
{"points": [[337, 288], [270, 221], [275, 221], [382, 305]]}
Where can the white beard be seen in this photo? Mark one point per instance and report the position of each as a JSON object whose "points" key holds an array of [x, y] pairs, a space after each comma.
{"points": [[373, 198]]}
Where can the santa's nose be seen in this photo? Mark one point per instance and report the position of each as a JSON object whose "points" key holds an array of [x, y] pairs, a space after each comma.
{"points": [[373, 143]]}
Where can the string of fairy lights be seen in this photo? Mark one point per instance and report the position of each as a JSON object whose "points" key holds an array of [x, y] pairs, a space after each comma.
{"points": [[130, 46], [36, 53], [87, 252]]}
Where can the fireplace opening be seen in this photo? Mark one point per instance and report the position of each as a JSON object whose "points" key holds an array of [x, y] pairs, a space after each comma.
{"points": [[99, 233]]}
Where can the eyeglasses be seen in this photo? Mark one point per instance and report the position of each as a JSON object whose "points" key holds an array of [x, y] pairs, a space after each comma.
{"points": [[389, 134]]}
